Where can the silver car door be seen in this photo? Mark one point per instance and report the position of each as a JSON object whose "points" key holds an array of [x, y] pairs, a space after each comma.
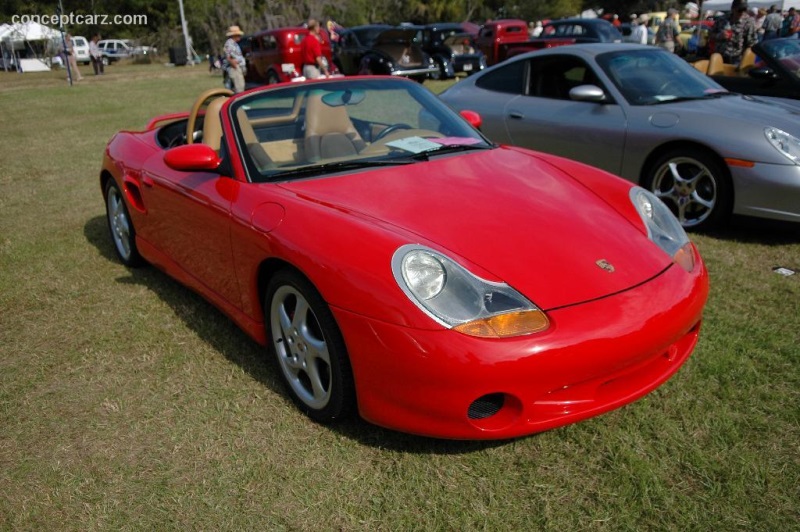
{"points": [[546, 119]]}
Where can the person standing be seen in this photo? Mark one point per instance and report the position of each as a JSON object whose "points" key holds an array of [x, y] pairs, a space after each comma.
{"points": [[96, 55], [72, 60], [667, 34], [772, 23], [639, 31], [234, 60], [734, 33], [791, 24], [315, 64]]}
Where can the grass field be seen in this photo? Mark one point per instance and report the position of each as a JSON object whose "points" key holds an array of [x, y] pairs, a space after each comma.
{"points": [[128, 402]]}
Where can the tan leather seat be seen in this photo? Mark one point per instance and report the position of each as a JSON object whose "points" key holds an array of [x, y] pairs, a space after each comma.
{"points": [[256, 150], [748, 61], [717, 66], [212, 123], [329, 131], [701, 65]]}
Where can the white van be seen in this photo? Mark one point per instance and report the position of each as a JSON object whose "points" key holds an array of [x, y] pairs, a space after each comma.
{"points": [[80, 47]]}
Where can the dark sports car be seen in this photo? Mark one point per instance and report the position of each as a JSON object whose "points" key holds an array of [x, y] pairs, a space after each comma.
{"points": [[382, 49], [776, 71], [395, 262]]}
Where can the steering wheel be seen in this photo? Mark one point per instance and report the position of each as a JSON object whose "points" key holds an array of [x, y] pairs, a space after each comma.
{"points": [[393, 127], [198, 104]]}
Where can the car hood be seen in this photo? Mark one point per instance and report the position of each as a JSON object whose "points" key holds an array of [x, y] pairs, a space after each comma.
{"points": [[509, 212], [751, 109]]}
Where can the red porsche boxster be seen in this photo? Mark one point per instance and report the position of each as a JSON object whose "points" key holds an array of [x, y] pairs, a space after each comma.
{"points": [[397, 264]]}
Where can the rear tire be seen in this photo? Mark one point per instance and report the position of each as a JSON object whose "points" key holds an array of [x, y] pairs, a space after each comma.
{"points": [[120, 225]]}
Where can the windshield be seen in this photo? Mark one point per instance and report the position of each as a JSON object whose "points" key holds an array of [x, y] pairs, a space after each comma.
{"points": [[786, 52], [648, 76], [313, 129]]}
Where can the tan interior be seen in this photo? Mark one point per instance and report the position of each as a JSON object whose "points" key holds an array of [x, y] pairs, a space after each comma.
{"points": [[212, 123], [329, 131]]}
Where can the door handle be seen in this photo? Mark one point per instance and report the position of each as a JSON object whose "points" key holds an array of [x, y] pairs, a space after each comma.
{"points": [[516, 115]]}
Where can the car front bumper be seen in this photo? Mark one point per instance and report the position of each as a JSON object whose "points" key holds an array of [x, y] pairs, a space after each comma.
{"points": [[595, 357], [767, 191]]}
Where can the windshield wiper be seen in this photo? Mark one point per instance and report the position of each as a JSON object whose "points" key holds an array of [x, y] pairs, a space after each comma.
{"points": [[711, 96], [452, 148], [318, 169]]}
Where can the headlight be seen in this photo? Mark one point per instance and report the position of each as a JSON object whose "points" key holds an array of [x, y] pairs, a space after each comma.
{"points": [[663, 228], [787, 144], [459, 300]]}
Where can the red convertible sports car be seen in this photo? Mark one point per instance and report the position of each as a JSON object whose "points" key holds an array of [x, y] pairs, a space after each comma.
{"points": [[397, 264]]}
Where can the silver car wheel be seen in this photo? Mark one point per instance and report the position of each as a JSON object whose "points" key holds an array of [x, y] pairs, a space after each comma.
{"points": [[301, 348], [120, 225], [688, 188]]}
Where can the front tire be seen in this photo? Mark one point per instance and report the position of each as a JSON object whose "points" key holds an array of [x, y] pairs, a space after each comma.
{"points": [[123, 234], [695, 186], [308, 348]]}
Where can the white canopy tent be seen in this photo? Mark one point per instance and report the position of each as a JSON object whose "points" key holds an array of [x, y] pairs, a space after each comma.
{"points": [[18, 42], [725, 5]]}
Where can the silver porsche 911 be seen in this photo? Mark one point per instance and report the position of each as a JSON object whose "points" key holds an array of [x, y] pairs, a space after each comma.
{"points": [[650, 117]]}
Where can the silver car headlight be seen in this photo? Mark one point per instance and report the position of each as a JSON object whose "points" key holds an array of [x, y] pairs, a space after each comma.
{"points": [[787, 144], [663, 228], [455, 298]]}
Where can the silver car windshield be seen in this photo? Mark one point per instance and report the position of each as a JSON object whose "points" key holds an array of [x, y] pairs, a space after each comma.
{"points": [[653, 76]]}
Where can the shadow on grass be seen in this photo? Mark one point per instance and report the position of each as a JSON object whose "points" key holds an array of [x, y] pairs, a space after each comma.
{"points": [[224, 336], [759, 231]]}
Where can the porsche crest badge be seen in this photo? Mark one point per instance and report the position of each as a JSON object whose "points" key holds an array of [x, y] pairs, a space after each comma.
{"points": [[605, 265]]}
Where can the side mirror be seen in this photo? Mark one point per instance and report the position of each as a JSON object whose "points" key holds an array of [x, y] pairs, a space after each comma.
{"points": [[587, 93], [192, 158], [472, 117]]}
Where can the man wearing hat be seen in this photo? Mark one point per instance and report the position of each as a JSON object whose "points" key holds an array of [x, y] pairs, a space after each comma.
{"points": [[234, 60], [734, 33]]}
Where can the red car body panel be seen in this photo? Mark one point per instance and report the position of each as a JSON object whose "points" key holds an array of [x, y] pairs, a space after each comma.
{"points": [[612, 337]]}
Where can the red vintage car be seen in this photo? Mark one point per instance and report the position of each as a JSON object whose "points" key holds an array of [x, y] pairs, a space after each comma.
{"points": [[397, 264], [274, 56]]}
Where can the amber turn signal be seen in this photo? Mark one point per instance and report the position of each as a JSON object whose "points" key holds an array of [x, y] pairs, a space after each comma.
{"points": [[506, 325]]}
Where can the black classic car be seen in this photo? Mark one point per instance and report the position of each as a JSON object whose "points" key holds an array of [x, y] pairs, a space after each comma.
{"points": [[451, 48], [775, 71], [382, 49]]}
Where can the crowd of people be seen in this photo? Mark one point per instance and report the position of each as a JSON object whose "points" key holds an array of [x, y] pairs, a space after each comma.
{"points": [[730, 33]]}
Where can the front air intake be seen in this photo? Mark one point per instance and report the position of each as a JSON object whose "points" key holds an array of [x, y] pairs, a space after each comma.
{"points": [[486, 406]]}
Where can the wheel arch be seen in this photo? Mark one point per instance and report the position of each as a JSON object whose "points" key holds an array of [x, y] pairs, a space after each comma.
{"points": [[267, 269], [658, 152]]}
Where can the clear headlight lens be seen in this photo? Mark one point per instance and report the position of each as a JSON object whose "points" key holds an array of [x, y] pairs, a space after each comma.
{"points": [[459, 300], [787, 144], [663, 228]]}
